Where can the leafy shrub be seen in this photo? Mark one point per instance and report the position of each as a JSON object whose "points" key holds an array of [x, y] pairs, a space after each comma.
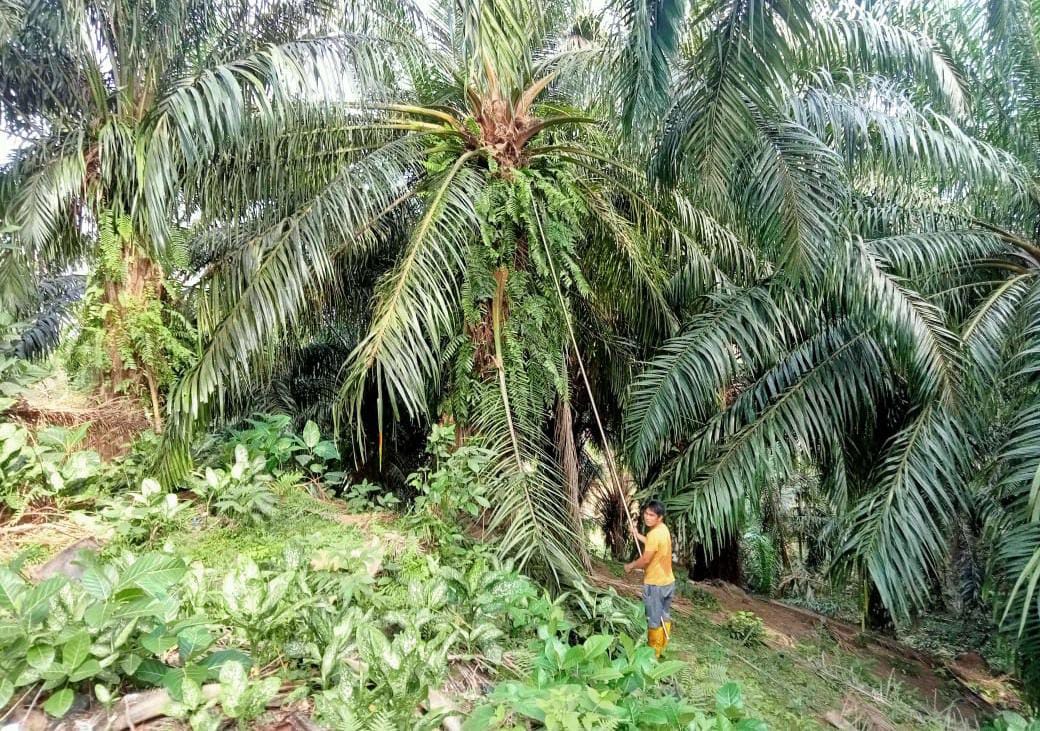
{"points": [[456, 486], [257, 603], [364, 496], [602, 683], [1011, 721], [272, 436], [121, 620], [16, 374], [239, 698], [44, 464], [747, 627], [144, 516], [131, 469], [242, 492], [760, 560], [603, 612]]}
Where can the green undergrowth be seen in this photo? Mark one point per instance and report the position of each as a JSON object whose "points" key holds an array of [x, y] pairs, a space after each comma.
{"points": [[246, 583], [796, 686], [252, 577], [216, 544]]}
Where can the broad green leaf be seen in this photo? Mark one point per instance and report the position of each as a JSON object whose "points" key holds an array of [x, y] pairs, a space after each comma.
{"points": [[311, 435], [6, 692], [173, 679], [193, 640], [95, 582], [75, 650], [154, 573], [597, 645], [666, 668], [327, 451], [215, 661], [81, 466], [88, 669], [40, 657], [150, 672], [158, 642], [36, 602], [130, 663], [729, 699], [59, 703], [605, 675], [573, 657], [11, 587]]}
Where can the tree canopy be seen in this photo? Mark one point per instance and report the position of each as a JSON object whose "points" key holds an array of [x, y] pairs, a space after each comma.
{"points": [[695, 245]]}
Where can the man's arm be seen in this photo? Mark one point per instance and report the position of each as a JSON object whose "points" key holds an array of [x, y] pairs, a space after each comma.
{"points": [[642, 562], [636, 534]]}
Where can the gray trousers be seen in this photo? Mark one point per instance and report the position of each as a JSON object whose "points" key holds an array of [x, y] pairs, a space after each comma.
{"points": [[658, 603]]}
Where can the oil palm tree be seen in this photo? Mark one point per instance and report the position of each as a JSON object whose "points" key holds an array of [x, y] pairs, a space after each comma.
{"points": [[116, 102], [1000, 324], [857, 194], [469, 163]]}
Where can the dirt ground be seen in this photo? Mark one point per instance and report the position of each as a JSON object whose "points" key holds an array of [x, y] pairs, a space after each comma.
{"points": [[114, 422], [946, 687]]}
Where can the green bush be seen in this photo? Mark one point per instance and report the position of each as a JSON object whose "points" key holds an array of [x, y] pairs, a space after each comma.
{"points": [[747, 627], [44, 464], [605, 682], [123, 620], [145, 516], [272, 437], [242, 492]]}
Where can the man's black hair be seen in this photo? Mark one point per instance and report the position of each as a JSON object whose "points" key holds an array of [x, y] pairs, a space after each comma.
{"points": [[656, 507]]}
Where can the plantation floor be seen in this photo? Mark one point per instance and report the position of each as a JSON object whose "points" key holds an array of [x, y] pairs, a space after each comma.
{"points": [[811, 671]]}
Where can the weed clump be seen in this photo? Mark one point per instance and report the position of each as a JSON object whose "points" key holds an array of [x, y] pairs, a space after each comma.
{"points": [[746, 627]]}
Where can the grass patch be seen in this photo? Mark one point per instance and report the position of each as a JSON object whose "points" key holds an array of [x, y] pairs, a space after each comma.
{"points": [[217, 543]]}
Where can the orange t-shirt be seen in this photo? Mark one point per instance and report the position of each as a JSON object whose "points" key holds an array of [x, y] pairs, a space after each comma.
{"points": [[659, 570]]}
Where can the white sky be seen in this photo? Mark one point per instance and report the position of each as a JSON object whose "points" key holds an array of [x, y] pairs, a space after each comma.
{"points": [[8, 144]]}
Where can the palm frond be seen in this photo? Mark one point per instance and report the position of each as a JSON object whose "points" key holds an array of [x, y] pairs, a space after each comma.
{"points": [[924, 344], [873, 45], [898, 530], [644, 66], [788, 412], [794, 196], [279, 266], [685, 383], [416, 306]]}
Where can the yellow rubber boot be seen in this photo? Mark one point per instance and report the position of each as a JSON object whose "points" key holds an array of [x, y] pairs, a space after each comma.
{"points": [[655, 638], [667, 635]]}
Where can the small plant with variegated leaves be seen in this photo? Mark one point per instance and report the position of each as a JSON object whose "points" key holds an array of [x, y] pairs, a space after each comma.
{"points": [[121, 620], [145, 516], [605, 682], [43, 464], [243, 492]]}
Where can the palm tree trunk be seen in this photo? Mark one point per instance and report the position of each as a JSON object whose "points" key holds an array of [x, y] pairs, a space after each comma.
{"points": [[568, 456], [140, 275], [153, 393], [723, 563]]}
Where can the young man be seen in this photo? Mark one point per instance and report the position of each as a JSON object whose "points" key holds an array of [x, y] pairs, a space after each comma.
{"points": [[658, 580]]}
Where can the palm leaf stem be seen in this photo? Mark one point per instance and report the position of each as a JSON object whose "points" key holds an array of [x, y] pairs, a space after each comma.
{"points": [[611, 466]]}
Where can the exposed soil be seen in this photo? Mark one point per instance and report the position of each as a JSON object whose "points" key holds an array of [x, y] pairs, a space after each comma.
{"points": [[114, 423], [786, 625]]}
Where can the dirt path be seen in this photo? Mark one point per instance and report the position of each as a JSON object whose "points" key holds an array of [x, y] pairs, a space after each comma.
{"points": [[786, 626]]}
